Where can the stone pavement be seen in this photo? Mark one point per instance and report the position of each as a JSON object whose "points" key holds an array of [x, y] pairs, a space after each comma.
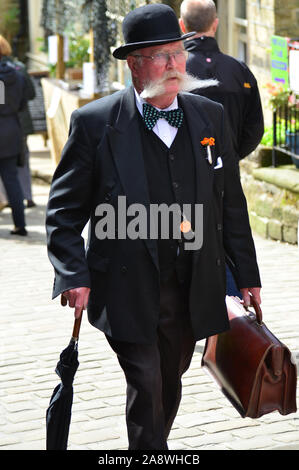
{"points": [[34, 329]]}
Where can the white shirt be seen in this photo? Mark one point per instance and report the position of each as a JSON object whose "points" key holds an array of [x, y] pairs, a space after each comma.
{"points": [[162, 129]]}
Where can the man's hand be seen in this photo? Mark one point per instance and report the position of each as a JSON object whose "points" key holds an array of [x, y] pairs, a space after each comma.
{"points": [[77, 298], [255, 291]]}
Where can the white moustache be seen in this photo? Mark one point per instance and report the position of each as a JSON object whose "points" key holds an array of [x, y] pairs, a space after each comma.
{"points": [[187, 82]]}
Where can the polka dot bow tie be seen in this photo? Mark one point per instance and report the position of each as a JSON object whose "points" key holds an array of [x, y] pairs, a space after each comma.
{"points": [[151, 115]]}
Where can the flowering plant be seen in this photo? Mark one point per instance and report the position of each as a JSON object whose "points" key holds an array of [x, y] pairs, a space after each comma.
{"points": [[278, 95]]}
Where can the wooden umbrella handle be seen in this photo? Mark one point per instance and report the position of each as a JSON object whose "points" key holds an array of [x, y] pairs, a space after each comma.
{"points": [[76, 328], [77, 322]]}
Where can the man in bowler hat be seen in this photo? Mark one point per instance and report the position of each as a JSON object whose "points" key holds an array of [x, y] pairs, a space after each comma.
{"points": [[153, 297]]}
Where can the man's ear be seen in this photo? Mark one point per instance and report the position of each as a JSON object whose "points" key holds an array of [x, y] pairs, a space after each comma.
{"points": [[215, 25], [132, 64], [182, 26]]}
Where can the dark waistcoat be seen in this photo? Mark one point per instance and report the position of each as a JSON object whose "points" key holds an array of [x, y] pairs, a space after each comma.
{"points": [[171, 179]]}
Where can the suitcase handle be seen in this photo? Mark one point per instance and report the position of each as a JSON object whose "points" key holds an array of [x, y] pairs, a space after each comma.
{"points": [[257, 309]]}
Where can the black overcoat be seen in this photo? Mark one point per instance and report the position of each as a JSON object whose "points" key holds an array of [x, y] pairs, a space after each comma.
{"points": [[13, 85], [102, 160]]}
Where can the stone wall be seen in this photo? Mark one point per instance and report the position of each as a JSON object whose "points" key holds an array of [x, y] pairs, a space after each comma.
{"points": [[273, 200]]}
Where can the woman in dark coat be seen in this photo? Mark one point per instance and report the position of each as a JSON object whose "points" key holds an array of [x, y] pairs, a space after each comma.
{"points": [[12, 100]]}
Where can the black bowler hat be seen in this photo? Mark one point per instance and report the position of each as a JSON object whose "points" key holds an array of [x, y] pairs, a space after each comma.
{"points": [[149, 25]]}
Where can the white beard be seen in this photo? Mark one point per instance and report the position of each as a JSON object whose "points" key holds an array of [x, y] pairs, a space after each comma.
{"points": [[187, 82]]}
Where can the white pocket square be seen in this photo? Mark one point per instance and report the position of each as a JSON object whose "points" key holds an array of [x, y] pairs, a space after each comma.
{"points": [[219, 164]]}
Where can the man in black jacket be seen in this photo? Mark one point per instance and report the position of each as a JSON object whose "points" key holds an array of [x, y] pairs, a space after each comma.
{"points": [[11, 138], [27, 127], [152, 295], [237, 90], [25, 118]]}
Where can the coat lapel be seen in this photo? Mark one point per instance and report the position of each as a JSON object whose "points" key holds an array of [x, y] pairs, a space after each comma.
{"points": [[126, 146]]}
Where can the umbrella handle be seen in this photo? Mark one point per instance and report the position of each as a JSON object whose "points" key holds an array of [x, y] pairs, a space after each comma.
{"points": [[76, 328]]}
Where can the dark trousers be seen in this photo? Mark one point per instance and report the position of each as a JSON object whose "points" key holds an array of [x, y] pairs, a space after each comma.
{"points": [[24, 174], [11, 183], [153, 371]]}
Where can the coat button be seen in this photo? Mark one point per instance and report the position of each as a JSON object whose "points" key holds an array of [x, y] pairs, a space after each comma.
{"points": [[219, 227], [218, 262], [175, 185], [124, 269], [171, 157]]}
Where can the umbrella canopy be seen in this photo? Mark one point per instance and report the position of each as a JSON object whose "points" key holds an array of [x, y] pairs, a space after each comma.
{"points": [[58, 416]]}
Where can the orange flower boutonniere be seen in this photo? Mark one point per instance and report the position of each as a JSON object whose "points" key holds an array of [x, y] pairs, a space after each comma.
{"points": [[208, 142]]}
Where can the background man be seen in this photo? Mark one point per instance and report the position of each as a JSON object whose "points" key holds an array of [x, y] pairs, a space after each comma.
{"points": [[152, 298], [237, 89]]}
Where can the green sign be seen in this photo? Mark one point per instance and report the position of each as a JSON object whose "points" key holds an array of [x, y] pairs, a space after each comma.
{"points": [[280, 61]]}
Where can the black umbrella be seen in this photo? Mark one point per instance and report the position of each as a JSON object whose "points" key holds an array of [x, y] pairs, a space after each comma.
{"points": [[58, 415]]}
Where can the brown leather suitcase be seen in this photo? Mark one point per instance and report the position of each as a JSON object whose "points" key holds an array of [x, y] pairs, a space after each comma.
{"points": [[254, 370]]}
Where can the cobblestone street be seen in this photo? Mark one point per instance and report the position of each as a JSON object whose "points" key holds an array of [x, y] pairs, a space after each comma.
{"points": [[34, 329]]}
